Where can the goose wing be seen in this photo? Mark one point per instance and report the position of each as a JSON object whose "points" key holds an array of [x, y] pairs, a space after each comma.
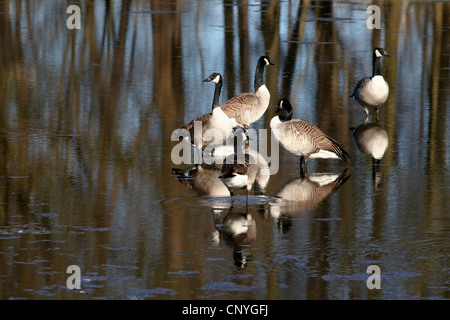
{"points": [[361, 83], [232, 165], [239, 103], [306, 130], [204, 119]]}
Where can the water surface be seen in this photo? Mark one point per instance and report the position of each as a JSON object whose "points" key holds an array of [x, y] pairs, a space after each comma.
{"points": [[86, 170]]}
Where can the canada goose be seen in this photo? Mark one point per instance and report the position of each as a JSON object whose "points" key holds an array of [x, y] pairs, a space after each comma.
{"points": [[241, 170], [302, 138], [237, 175], [373, 91], [247, 108], [263, 175], [217, 119]]}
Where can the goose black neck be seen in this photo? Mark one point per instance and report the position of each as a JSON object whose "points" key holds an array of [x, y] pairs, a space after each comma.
{"points": [[259, 74], [217, 91], [288, 112], [376, 65], [240, 140], [287, 115]]}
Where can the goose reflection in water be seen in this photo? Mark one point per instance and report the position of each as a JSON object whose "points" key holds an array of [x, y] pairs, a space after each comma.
{"points": [[372, 139], [202, 179], [304, 194], [237, 230]]}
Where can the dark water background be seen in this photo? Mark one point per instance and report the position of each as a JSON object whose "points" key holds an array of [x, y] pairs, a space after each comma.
{"points": [[86, 118]]}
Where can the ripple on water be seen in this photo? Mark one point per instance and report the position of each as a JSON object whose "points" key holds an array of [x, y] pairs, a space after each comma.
{"points": [[226, 286], [183, 273], [150, 293]]}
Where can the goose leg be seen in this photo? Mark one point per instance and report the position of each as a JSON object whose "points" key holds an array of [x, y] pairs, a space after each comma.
{"points": [[302, 166], [246, 202]]}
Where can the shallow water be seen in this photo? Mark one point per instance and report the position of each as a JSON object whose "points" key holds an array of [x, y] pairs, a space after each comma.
{"points": [[86, 169]]}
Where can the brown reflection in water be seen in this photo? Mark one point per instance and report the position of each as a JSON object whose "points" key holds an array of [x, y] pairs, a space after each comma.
{"points": [[64, 163]]}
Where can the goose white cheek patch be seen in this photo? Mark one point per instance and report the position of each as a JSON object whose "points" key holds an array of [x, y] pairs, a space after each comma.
{"points": [[216, 79]]}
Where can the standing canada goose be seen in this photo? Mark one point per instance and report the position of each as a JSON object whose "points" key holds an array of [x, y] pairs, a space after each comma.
{"points": [[241, 170], [302, 138], [247, 108], [216, 120], [372, 92], [237, 175]]}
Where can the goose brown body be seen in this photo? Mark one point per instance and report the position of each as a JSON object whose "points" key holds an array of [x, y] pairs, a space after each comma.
{"points": [[247, 108], [303, 138]]}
